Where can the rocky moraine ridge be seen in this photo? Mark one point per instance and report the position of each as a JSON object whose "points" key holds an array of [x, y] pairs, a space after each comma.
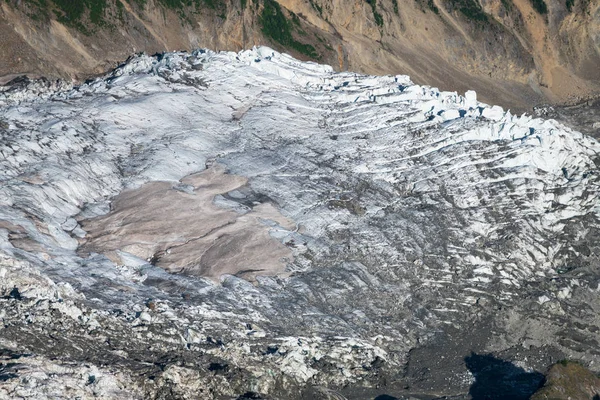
{"points": [[216, 225]]}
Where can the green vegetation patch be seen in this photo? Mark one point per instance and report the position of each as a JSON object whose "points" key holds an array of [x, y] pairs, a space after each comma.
{"points": [[85, 14], [471, 9], [276, 26], [433, 7], [508, 5], [540, 6], [316, 6], [72, 13], [423, 4], [376, 15], [570, 4]]}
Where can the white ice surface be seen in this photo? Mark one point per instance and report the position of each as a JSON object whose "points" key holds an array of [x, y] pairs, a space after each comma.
{"points": [[395, 187]]}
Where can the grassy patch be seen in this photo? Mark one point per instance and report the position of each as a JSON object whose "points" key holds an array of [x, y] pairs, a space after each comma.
{"points": [[570, 4], [316, 6], [85, 15], [376, 15], [120, 11], [428, 4], [324, 42], [276, 26], [471, 9], [540, 6], [38, 11], [69, 11], [433, 7]]}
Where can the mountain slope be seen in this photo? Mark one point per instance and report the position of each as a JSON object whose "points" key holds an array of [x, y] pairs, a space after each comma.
{"points": [[361, 223], [513, 52]]}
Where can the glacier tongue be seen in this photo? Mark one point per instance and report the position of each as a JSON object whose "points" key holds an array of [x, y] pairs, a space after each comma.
{"points": [[404, 209]]}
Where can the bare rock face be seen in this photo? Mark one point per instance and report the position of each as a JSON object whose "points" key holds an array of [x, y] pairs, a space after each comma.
{"points": [[513, 52]]}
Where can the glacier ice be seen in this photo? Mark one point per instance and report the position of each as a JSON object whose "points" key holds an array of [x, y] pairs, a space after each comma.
{"points": [[409, 206]]}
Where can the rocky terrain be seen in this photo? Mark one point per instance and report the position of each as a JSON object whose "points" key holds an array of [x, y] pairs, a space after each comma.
{"points": [[583, 116], [382, 239], [569, 380], [516, 53]]}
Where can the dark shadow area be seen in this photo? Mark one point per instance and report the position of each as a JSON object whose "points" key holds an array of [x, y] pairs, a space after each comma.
{"points": [[6, 377], [14, 294], [386, 397], [499, 379], [11, 355], [6, 371], [250, 396], [8, 368]]}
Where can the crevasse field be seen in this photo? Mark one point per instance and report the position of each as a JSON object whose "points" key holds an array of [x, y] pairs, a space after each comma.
{"points": [[212, 224]]}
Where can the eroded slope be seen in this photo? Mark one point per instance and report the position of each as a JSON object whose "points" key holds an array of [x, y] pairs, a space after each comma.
{"points": [[513, 52]]}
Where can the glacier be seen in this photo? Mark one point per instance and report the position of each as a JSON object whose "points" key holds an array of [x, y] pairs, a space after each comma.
{"points": [[351, 219]]}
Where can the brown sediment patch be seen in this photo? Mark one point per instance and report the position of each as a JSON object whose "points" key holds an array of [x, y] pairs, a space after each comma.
{"points": [[182, 231], [20, 239], [10, 227]]}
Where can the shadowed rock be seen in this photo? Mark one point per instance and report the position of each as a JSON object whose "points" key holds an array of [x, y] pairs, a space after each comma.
{"points": [[499, 379]]}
